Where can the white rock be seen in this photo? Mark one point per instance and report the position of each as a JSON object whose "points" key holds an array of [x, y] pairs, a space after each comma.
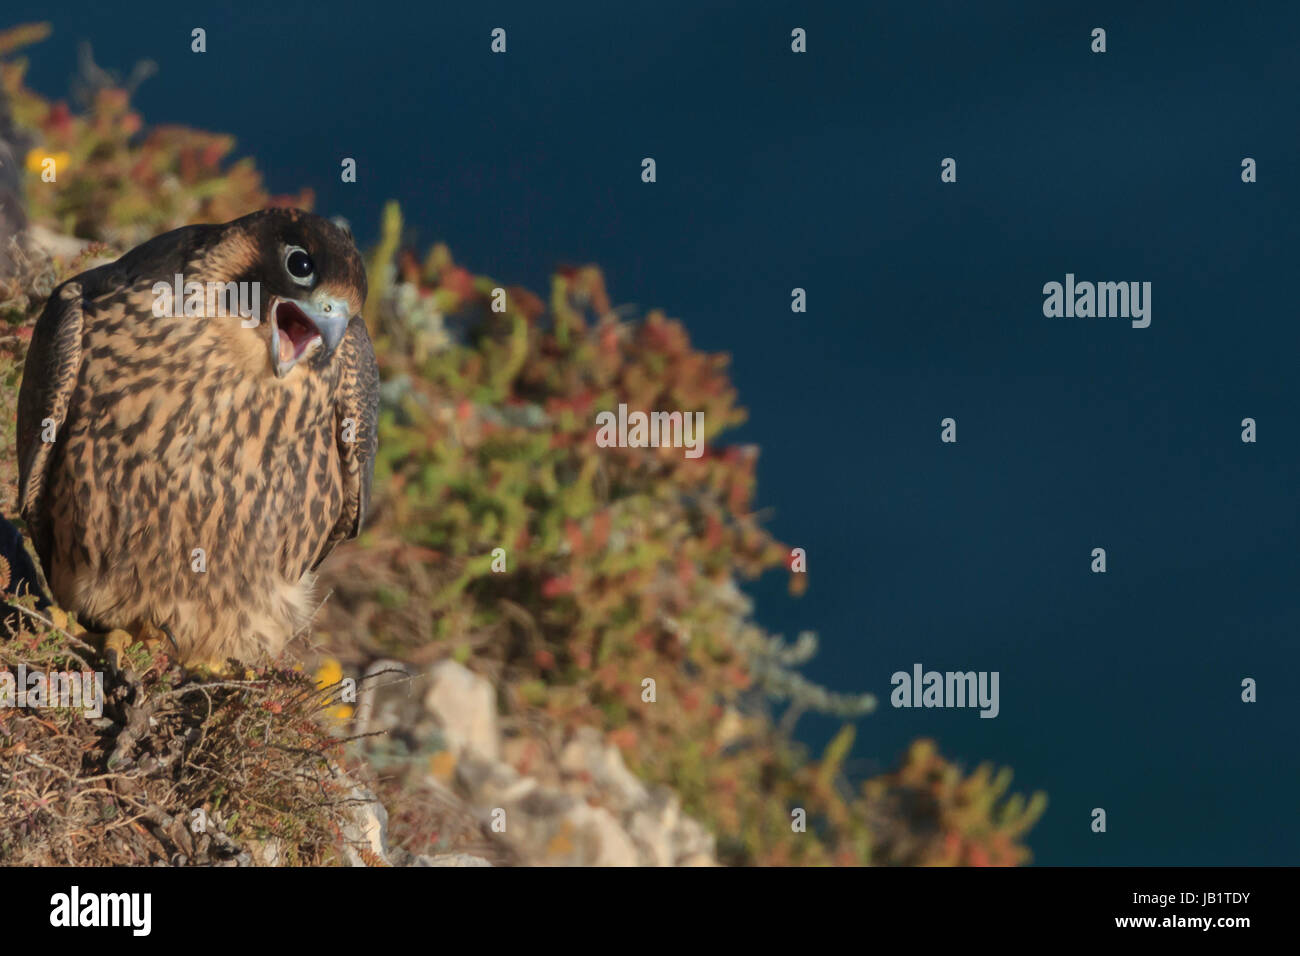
{"points": [[366, 828], [465, 706], [652, 838], [599, 838], [385, 698], [587, 752]]}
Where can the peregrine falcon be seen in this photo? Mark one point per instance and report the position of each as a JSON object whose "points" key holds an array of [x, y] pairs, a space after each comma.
{"points": [[188, 459]]}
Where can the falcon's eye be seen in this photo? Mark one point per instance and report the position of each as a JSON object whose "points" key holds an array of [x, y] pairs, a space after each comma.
{"points": [[299, 264]]}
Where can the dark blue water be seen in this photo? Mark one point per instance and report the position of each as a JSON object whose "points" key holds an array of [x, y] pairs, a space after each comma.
{"points": [[822, 171]]}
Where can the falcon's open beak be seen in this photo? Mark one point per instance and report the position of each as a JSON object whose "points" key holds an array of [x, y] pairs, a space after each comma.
{"points": [[300, 329]]}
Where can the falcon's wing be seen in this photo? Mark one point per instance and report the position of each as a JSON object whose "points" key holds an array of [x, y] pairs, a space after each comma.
{"points": [[356, 416], [49, 376], [54, 360]]}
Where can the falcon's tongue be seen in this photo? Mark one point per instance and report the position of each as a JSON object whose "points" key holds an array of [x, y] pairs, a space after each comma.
{"points": [[296, 333]]}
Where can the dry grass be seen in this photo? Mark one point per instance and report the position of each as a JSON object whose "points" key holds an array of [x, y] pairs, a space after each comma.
{"points": [[176, 770]]}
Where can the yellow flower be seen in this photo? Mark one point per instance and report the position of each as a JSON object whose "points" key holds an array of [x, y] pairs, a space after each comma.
{"points": [[443, 764], [37, 157], [328, 674]]}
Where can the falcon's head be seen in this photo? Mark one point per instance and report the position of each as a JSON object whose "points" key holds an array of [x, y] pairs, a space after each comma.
{"points": [[312, 281]]}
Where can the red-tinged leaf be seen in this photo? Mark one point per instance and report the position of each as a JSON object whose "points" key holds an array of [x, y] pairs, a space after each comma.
{"points": [[555, 587], [573, 533], [458, 280], [600, 527]]}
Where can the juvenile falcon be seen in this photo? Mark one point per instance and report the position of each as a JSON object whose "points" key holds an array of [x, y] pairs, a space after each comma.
{"points": [[184, 474]]}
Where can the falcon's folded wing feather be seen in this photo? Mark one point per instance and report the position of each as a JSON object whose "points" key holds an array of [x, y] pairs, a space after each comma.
{"points": [[49, 378], [357, 403]]}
